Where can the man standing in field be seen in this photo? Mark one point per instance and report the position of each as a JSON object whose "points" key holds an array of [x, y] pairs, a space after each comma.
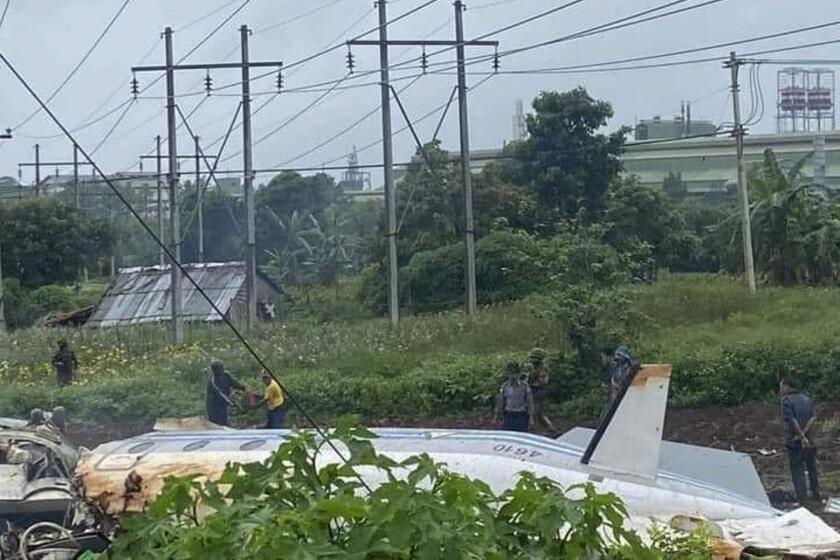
{"points": [[538, 379], [515, 402], [274, 401], [799, 418], [65, 364], [219, 386]]}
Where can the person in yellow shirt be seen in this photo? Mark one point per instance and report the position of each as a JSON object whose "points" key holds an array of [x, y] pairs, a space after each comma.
{"points": [[274, 401]]}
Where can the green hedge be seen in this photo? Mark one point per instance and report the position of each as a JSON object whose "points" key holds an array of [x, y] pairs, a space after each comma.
{"points": [[450, 385]]}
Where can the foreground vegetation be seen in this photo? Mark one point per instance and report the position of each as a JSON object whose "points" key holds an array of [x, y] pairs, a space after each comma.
{"points": [[291, 507], [727, 348]]}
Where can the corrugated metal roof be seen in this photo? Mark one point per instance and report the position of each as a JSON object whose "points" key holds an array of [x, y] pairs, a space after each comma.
{"points": [[143, 294]]}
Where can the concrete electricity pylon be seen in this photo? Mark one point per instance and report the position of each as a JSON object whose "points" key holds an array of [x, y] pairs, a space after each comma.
{"points": [[38, 164], [387, 148], [734, 63], [170, 68]]}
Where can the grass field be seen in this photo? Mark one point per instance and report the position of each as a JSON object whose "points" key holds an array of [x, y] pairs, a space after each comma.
{"points": [[727, 347]]}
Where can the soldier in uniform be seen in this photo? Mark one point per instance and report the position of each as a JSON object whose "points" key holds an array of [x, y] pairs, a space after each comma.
{"points": [[219, 387], [65, 363], [538, 379]]}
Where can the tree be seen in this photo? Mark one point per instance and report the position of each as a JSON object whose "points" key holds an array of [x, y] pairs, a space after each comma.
{"points": [[674, 186], [286, 195], [428, 207], [292, 248], [331, 253], [224, 226], [566, 162], [796, 232], [46, 242]]}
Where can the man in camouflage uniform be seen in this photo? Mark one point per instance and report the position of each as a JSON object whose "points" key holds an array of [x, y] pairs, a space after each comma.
{"points": [[538, 379], [65, 363]]}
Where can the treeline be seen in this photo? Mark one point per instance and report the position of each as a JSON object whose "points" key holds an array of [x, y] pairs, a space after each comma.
{"points": [[552, 211]]}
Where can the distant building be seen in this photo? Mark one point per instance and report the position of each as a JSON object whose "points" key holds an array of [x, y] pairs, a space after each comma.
{"points": [[707, 166], [681, 126], [231, 186], [143, 295]]}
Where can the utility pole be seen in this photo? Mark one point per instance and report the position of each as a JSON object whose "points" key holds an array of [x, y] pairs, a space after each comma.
{"points": [[37, 164], [161, 255], [199, 199], [390, 194], [2, 311], [466, 173], [388, 160], [174, 218], [251, 255], [743, 196], [245, 65], [37, 170], [76, 201]]}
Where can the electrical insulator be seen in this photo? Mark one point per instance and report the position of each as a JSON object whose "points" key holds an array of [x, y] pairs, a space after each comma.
{"points": [[208, 83], [351, 62], [135, 86], [496, 62], [279, 81], [424, 61]]}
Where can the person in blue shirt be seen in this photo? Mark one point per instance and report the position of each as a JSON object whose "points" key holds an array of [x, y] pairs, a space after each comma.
{"points": [[799, 419]]}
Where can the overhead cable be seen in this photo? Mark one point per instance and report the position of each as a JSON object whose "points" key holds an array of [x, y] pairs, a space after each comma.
{"points": [[79, 64]]}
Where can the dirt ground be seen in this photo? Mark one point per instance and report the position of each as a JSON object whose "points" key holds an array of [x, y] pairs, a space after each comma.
{"points": [[752, 429]]}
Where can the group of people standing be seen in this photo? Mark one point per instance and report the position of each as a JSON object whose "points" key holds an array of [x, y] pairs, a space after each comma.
{"points": [[220, 386], [522, 397]]}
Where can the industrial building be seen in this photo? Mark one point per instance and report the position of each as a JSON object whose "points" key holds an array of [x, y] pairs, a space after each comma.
{"points": [[708, 166]]}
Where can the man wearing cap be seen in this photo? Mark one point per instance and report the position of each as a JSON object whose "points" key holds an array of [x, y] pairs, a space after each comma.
{"points": [[620, 366], [515, 402], [274, 401], [219, 387], [538, 379]]}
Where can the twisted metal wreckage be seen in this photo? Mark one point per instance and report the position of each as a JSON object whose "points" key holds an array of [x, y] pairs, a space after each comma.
{"points": [[56, 501]]}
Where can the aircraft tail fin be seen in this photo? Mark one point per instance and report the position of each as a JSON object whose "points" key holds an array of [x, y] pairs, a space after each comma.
{"points": [[630, 436]]}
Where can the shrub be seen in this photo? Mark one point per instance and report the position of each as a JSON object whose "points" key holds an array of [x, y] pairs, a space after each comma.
{"points": [[287, 507]]}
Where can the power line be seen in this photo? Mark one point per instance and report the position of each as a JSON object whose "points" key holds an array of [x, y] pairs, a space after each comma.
{"points": [[345, 130], [289, 121], [80, 63], [621, 23], [206, 16], [113, 128], [402, 129], [5, 11], [299, 17], [669, 54], [175, 262]]}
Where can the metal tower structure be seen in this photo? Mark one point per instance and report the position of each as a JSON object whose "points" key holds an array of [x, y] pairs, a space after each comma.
{"points": [[354, 179], [806, 99]]}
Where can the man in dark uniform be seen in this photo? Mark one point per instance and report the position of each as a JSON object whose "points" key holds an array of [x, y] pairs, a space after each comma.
{"points": [[219, 386], [65, 364], [799, 418]]}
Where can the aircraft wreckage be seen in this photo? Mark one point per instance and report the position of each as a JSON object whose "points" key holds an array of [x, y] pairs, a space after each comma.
{"points": [[660, 482]]}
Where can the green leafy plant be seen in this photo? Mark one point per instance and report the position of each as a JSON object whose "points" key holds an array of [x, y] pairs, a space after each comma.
{"points": [[293, 506]]}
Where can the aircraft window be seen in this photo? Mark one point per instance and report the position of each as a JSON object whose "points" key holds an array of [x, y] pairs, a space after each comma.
{"points": [[141, 447], [196, 445], [253, 444]]}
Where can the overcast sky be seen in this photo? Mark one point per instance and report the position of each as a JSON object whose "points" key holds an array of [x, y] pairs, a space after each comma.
{"points": [[46, 38]]}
